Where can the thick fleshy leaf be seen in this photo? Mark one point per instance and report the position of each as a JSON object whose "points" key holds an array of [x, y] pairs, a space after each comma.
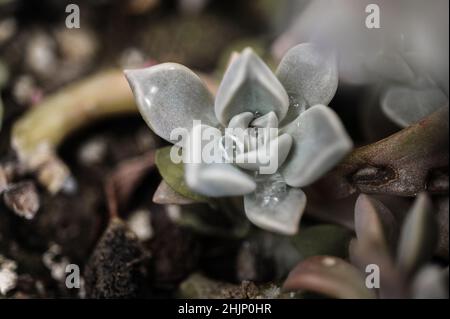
{"points": [[275, 206], [173, 174], [170, 96], [374, 222], [309, 76], [431, 283], [329, 276], [203, 144], [405, 105], [268, 120], [266, 158], [320, 142], [242, 120], [214, 178], [249, 86], [418, 236], [218, 180]]}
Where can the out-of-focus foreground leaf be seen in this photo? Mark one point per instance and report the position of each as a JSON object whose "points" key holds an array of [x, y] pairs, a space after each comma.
{"points": [[418, 237], [329, 276]]}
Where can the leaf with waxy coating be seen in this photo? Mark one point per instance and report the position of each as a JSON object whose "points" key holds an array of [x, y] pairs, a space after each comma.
{"points": [[275, 206], [319, 142], [249, 86], [310, 77], [215, 178], [170, 96]]}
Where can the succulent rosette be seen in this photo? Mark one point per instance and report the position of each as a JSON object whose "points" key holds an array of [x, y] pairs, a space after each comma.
{"points": [[310, 137]]}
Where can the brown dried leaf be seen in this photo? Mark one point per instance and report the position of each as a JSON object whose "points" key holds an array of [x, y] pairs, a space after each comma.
{"points": [[164, 194]]}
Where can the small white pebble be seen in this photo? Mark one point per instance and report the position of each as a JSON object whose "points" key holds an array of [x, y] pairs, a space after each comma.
{"points": [[70, 186], [40, 54], [56, 263], [139, 222], [132, 58], [8, 275], [174, 212], [93, 152], [329, 262], [23, 89]]}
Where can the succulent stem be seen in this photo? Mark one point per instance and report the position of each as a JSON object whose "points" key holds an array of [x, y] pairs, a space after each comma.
{"points": [[38, 133]]}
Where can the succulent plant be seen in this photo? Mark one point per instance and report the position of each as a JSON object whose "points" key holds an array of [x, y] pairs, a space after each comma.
{"points": [[310, 141], [413, 77], [402, 257]]}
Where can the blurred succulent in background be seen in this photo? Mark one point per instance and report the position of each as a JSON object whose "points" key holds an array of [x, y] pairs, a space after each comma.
{"points": [[408, 274], [407, 56], [405, 105], [310, 142]]}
